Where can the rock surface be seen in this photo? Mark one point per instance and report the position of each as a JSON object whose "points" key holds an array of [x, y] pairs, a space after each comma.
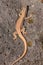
{"points": [[11, 49]]}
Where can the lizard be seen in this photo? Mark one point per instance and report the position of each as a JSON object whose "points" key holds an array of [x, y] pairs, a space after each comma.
{"points": [[18, 31]]}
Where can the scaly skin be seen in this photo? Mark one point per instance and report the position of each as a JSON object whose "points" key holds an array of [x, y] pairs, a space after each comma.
{"points": [[18, 30]]}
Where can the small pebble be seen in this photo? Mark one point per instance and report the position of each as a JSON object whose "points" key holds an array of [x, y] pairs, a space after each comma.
{"points": [[29, 43], [32, 6]]}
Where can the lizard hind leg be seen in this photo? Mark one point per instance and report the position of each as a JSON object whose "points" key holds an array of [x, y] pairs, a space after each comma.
{"points": [[15, 35], [23, 30]]}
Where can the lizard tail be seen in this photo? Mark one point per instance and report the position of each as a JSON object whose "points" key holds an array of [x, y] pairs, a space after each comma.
{"points": [[25, 48]]}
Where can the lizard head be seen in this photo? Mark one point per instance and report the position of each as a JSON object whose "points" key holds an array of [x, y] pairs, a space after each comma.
{"points": [[24, 11]]}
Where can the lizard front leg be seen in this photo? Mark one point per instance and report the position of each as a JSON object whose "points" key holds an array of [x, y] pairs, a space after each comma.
{"points": [[15, 35]]}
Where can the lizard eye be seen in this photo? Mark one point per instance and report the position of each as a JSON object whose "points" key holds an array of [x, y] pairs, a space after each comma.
{"points": [[20, 13]]}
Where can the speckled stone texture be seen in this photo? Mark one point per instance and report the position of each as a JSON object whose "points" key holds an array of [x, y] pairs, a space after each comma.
{"points": [[11, 49]]}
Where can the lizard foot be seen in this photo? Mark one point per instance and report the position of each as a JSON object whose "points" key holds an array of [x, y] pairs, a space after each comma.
{"points": [[23, 31], [28, 17], [15, 36]]}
